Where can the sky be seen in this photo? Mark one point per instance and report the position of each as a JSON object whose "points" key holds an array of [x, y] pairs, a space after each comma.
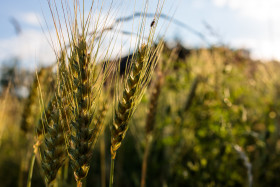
{"points": [[250, 24]]}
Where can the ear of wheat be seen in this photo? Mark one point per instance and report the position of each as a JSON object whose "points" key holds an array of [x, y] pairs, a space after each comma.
{"points": [[53, 149], [40, 128], [31, 106], [78, 86], [80, 92], [127, 103], [81, 137], [50, 128], [134, 86], [79, 89], [151, 115]]}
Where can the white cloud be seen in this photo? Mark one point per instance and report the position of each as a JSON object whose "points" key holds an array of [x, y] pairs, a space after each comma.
{"points": [[33, 47], [260, 10], [30, 46], [31, 18], [262, 14], [260, 48], [220, 3]]}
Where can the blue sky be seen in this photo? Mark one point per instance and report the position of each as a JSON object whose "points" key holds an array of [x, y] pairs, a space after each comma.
{"points": [[251, 24]]}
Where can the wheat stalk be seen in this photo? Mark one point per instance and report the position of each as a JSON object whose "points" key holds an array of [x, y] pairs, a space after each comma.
{"points": [[162, 71]]}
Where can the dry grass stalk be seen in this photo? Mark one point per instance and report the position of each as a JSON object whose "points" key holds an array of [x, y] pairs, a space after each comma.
{"points": [[247, 163], [101, 115], [192, 92], [29, 115]]}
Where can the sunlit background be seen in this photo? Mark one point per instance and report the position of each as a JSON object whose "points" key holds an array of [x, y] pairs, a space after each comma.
{"points": [[249, 24], [210, 116]]}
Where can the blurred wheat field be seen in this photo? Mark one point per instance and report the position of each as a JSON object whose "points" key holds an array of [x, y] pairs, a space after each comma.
{"points": [[162, 116]]}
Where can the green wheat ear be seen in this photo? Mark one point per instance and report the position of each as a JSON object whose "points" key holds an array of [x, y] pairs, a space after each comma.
{"points": [[62, 97], [78, 92], [53, 149], [81, 137], [127, 103], [43, 121]]}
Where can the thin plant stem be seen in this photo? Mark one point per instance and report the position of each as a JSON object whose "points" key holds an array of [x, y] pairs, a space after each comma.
{"points": [[21, 173], [31, 170], [65, 174], [79, 183], [59, 178], [145, 162], [112, 172], [103, 161]]}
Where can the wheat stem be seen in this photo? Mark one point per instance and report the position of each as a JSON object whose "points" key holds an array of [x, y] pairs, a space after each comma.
{"points": [[192, 93], [145, 161], [31, 170], [112, 172], [103, 161], [65, 172], [79, 183]]}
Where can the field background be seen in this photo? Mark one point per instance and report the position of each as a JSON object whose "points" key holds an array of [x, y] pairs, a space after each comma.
{"points": [[215, 94], [224, 131]]}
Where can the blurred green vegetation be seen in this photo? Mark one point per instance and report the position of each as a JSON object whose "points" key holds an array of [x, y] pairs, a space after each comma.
{"points": [[217, 124]]}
